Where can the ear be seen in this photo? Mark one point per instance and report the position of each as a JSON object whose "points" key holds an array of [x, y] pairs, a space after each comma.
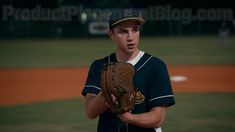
{"points": [[111, 34]]}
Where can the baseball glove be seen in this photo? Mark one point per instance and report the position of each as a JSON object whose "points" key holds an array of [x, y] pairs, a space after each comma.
{"points": [[117, 86]]}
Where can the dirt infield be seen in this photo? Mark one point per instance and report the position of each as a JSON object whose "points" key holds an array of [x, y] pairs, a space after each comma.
{"points": [[21, 86]]}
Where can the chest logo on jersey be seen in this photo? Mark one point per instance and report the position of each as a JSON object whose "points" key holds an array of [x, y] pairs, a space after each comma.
{"points": [[139, 97]]}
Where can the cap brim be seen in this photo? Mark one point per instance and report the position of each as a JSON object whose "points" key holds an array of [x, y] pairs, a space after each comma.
{"points": [[139, 20]]}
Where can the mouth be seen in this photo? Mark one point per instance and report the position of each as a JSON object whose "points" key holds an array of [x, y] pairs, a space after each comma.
{"points": [[130, 46]]}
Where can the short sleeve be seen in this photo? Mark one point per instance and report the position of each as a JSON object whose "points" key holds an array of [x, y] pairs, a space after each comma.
{"points": [[92, 84], [160, 90]]}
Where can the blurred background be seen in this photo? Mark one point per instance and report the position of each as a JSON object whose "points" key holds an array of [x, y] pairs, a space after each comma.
{"points": [[46, 47], [76, 18]]}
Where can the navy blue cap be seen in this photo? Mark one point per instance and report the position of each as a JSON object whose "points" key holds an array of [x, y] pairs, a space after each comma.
{"points": [[120, 15]]}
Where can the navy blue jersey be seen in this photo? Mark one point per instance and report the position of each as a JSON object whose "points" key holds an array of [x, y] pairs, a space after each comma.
{"points": [[151, 82]]}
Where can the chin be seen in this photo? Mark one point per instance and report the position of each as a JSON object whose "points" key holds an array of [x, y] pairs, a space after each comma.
{"points": [[130, 51]]}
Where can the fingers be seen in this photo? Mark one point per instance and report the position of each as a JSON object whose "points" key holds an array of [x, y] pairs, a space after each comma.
{"points": [[114, 99]]}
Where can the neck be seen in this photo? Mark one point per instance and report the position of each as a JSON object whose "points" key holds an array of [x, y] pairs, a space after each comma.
{"points": [[122, 56]]}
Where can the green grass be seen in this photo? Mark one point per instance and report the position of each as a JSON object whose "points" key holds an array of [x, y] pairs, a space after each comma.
{"points": [[202, 112], [51, 53], [191, 50], [193, 112], [52, 116], [81, 52]]}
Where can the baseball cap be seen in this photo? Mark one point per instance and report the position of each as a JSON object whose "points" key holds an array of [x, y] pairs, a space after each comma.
{"points": [[120, 15]]}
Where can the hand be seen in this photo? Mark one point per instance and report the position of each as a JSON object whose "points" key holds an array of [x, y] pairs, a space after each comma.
{"points": [[105, 105], [114, 100], [126, 117]]}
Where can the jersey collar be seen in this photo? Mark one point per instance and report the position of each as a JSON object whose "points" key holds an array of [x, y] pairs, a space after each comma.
{"points": [[138, 65]]}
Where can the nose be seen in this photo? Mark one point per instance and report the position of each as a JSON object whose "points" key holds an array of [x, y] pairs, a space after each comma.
{"points": [[130, 36]]}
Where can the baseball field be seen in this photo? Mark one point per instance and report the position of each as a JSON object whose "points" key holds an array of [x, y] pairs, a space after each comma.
{"points": [[41, 81]]}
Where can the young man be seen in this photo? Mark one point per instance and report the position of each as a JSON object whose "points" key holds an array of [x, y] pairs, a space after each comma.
{"points": [[152, 83]]}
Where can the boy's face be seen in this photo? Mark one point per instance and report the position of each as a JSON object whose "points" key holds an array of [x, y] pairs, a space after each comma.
{"points": [[126, 34]]}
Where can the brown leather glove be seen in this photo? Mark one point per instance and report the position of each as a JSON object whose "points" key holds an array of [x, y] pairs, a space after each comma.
{"points": [[117, 86]]}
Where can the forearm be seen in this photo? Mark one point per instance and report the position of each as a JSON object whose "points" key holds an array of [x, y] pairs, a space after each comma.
{"points": [[95, 105], [147, 120], [152, 119]]}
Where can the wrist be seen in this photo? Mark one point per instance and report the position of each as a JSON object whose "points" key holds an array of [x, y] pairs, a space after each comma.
{"points": [[130, 117], [127, 117], [103, 104]]}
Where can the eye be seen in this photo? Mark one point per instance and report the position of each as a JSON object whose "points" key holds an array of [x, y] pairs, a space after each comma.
{"points": [[122, 31], [136, 29]]}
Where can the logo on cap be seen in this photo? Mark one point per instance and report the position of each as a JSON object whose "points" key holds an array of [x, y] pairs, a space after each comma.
{"points": [[127, 13]]}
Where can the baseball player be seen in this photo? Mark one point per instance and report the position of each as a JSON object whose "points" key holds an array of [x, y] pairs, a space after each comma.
{"points": [[153, 89]]}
